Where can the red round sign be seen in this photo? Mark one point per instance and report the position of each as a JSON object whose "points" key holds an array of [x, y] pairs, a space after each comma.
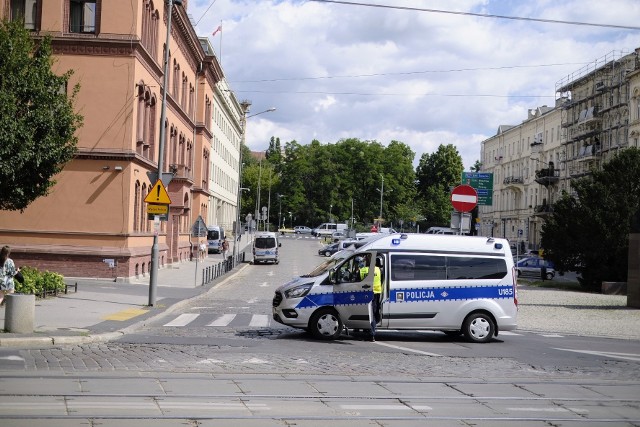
{"points": [[464, 198]]}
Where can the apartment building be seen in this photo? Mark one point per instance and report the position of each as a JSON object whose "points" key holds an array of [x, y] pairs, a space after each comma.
{"points": [[597, 113], [95, 221], [228, 119]]}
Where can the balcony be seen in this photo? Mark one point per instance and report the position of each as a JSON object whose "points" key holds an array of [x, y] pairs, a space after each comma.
{"points": [[548, 176], [515, 182], [543, 210]]}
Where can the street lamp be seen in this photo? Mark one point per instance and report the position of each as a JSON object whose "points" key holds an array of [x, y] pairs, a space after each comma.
{"points": [[243, 126], [153, 273], [330, 209], [280, 196], [290, 220]]}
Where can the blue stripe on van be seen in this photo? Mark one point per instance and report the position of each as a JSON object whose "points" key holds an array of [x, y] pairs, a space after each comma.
{"points": [[451, 293], [336, 298]]}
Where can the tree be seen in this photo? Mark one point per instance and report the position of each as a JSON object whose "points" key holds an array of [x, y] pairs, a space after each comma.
{"points": [[37, 121], [437, 173], [589, 233]]}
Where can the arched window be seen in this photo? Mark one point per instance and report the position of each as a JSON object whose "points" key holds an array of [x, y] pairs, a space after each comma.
{"points": [[137, 197]]}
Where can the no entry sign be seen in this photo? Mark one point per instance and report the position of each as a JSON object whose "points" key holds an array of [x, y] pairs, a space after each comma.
{"points": [[464, 198]]}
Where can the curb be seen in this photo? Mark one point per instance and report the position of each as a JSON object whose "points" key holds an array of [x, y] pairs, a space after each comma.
{"points": [[54, 340]]}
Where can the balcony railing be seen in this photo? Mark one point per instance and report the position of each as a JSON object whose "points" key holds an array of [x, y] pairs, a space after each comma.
{"points": [[513, 180], [547, 176]]}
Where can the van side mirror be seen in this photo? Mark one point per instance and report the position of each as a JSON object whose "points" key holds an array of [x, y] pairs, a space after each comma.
{"points": [[279, 244]]}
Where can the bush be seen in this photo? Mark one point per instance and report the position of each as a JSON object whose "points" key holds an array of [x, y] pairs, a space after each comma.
{"points": [[37, 282]]}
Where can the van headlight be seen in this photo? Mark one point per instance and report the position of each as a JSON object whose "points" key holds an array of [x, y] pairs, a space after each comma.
{"points": [[298, 291]]}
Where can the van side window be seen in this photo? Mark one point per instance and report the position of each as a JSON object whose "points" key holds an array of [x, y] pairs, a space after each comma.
{"points": [[418, 267], [475, 268], [431, 267]]}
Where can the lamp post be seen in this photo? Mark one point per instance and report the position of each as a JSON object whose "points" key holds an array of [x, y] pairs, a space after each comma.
{"points": [[290, 220], [153, 273], [243, 125], [280, 196], [330, 209]]}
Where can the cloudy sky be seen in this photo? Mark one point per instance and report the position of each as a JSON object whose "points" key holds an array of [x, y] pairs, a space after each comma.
{"points": [[407, 71]]}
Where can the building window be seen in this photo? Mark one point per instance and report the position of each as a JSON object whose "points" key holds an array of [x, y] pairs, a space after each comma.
{"points": [[25, 11], [82, 16]]}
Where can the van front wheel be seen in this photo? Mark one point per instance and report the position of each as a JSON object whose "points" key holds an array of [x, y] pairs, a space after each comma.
{"points": [[478, 327], [325, 324]]}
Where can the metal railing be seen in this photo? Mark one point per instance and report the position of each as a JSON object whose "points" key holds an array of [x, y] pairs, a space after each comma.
{"points": [[212, 272]]}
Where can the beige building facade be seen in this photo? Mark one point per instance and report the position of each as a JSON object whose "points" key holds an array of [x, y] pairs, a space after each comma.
{"points": [[95, 223], [596, 114]]}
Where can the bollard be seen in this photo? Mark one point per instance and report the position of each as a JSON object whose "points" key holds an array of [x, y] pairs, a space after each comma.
{"points": [[20, 313]]}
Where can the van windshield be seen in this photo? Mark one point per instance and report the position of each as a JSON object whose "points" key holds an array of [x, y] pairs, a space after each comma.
{"points": [[265, 242], [213, 235], [330, 263]]}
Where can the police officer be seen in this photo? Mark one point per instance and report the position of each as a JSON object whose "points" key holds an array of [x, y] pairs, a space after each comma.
{"points": [[374, 311]]}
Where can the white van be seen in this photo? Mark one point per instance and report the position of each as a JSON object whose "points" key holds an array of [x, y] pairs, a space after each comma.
{"points": [[215, 237], [265, 247], [326, 229], [454, 284]]}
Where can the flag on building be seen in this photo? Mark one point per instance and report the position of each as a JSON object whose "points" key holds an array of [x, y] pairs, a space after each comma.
{"points": [[216, 31]]}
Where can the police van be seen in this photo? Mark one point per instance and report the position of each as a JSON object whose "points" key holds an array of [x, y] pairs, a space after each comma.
{"points": [[454, 284], [265, 248]]}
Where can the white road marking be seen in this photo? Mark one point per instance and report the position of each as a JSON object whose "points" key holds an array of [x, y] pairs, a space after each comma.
{"points": [[624, 356], [538, 409], [376, 407], [12, 358], [509, 334], [182, 320], [256, 361], [264, 285], [259, 321], [223, 320], [252, 301], [552, 336], [208, 361], [397, 347]]}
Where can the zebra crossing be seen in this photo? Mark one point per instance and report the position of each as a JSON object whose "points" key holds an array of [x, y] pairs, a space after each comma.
{"points": [[213, 320], [220, 320]]}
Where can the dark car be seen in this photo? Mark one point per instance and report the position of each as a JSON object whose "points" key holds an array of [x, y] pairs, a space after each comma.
{"points": [[329, 249], [532, 267]]}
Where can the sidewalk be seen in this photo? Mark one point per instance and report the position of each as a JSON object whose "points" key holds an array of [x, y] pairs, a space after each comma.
{"points": [[101, 310]]}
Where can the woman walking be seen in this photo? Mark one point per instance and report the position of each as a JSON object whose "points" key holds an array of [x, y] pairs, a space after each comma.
{"points": [[7, 272]]}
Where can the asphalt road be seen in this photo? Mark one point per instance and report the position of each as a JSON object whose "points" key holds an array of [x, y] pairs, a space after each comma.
{"points": [[221, 360]]}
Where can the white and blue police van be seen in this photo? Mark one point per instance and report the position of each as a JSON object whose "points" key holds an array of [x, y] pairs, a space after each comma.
{"points": [[265, 247], [454, 284]]}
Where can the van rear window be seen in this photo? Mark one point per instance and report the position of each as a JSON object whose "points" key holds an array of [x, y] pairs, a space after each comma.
{"points": [[265, 242], [433, 267], [213, 235]]}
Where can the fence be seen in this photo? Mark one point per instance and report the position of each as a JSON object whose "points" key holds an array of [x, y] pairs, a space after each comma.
{"points": [[212, 272]]}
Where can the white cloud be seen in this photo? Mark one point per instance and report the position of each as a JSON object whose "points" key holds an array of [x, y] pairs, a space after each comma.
{"points": [[336, 71]]}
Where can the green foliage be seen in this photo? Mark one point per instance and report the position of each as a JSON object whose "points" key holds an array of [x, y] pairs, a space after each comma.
{"points": [[589, 233], [35, 282], [37, 121], [437, 173]]}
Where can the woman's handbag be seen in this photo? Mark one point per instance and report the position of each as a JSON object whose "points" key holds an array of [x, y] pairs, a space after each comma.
{"points": [[19, 277]]}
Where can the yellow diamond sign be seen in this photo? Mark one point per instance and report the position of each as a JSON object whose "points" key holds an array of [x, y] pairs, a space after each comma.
{"points": [[158, 195]]}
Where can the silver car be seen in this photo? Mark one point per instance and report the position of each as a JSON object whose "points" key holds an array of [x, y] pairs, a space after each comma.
{"points": [[533, 266], [301, 229]]}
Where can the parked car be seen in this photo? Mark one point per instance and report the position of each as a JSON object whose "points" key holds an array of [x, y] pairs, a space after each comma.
{"points": [[329, 250], [301, 229], [532, 267]]}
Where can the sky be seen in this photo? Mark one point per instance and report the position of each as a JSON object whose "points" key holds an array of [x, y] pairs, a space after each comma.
{"points": [[408, 71]]}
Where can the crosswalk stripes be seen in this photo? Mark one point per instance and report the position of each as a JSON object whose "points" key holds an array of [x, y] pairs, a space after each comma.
{"points": [[254, 320], [223, 320], [264, 321], [182, 320]]}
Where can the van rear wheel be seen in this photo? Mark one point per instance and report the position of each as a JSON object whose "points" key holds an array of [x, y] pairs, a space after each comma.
{"points": [[478, 327], [325, 324]]}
